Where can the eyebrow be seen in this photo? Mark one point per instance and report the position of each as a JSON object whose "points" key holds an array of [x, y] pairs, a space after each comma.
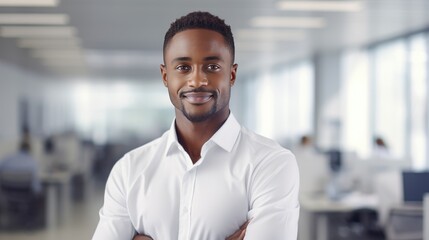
{"points": [[211, 58], [184, 59], [181, 59]]}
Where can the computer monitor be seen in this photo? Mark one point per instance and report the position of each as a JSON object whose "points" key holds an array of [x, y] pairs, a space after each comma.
{"points": [[415, 185], [335, 160]]}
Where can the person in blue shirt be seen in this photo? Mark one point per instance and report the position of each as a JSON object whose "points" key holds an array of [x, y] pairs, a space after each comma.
{"points": [[22, 162]]}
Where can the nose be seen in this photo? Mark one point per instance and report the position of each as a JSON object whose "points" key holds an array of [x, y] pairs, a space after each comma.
{"points": [[197, 79]]}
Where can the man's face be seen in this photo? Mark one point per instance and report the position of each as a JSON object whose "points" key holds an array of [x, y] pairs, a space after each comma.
{"points": [[198, 73]]}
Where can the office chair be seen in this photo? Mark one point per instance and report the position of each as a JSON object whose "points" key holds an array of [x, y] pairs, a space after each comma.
{"points": [[19, 204], [364, 223]]}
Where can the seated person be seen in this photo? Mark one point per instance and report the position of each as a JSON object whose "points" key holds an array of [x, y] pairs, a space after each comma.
{"points": [[313, 168], [22, 162], [381, 149], [21, 197]]}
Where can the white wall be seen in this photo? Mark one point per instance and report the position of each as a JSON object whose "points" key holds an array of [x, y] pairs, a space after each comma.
{"points": [[327, 100]]}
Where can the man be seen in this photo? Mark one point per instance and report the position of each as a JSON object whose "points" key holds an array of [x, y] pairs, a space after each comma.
{"points": [[207, 177], [22, 163]]}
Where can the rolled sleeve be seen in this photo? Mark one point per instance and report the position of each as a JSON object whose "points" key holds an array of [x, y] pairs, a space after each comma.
{"points": [[274, 202]]}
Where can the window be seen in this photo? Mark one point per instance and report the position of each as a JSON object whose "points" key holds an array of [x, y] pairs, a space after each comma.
{"points": [[418, 55], [285, 102], [356, 98], [389, 112]]}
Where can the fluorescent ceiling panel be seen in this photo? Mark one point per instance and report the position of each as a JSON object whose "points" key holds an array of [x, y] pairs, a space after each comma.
{"points": [[28, 3], [60, 54], [67, 68], [288, 22], [49, 43], [255, 46], [122, 59], [34, 19], [270, 34], [39, 31], [68, 71], [65, 62], [329, 6]]}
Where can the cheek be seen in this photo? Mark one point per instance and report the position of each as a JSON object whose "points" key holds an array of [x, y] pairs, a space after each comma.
{"points": [[173, 94], [225, 91], [173, 86]]}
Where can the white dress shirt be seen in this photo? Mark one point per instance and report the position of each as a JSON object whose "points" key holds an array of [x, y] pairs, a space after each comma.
{"points": [[156, 190]]}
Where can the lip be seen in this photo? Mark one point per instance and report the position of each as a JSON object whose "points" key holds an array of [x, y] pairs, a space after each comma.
{"points": [[197, 97]]}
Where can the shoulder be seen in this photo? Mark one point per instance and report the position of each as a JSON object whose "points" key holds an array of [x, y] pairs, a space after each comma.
{"points": [[266, 158], [274, 174], [263, 148]]}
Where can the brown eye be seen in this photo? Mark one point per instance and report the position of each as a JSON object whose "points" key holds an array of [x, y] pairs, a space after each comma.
{"points": [[183, 68], [213, 67]]}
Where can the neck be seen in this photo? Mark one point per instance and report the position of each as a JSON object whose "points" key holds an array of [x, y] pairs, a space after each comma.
{"points": [[193, 135]]}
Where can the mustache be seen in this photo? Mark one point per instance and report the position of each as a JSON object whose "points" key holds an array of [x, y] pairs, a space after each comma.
{"points": [[198, 90]]}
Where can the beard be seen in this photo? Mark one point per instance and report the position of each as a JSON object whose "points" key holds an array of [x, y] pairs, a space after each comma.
{"points": [[199, 117]]}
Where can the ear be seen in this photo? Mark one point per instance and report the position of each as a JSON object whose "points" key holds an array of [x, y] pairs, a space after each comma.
{"points": [[163, 69], [233, 73]]}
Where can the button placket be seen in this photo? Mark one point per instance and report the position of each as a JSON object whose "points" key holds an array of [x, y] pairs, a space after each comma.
{"points": [[186, 196]]}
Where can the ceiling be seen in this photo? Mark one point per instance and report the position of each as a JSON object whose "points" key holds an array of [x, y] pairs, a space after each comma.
{"points": [[123, 38]]}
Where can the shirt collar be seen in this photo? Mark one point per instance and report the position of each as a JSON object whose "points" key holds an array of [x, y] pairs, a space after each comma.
{"points": [[172, 138], [225, 137]]}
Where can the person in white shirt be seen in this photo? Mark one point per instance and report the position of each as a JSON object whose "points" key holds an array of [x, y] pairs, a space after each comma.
{"points": [[207, 178]]}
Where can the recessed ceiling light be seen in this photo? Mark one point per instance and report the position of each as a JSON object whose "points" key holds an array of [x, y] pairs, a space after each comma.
{"points": [[21, 31], [28, 3], [341, 6], [34, 19], [290, 22], [270, 34]]}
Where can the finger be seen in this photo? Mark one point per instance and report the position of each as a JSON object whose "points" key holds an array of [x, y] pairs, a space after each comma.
{"points": [[242, 234], [234, 236], [244, 226], [239, 232], [141, 237]]}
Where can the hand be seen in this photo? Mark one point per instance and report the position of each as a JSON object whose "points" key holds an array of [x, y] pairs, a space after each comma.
{"points": [[240, 233], [142, 237]]}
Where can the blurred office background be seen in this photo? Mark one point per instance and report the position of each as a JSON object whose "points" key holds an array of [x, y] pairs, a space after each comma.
{"points": [[80, 83]]}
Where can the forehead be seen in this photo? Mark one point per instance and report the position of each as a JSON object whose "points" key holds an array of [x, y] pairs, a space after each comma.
{"points": [[195, 43]]}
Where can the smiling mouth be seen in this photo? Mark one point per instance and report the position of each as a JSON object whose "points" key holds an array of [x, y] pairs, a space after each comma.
{"points": [[197, 97]]}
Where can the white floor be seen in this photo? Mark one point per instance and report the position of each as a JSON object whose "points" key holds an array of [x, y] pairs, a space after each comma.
{"points": [[78, 224]]}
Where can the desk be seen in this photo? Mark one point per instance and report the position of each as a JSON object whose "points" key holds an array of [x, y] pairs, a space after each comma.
{"points": [[405, 222], [58, 195], [320, 207]]}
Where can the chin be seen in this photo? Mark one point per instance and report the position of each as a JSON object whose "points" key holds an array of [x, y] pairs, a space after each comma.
{"points": [[197, 118], [201, 117]]}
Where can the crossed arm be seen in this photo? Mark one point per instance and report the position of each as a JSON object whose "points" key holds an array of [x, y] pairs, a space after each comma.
{"points": [[274, 207], [238, 235]]}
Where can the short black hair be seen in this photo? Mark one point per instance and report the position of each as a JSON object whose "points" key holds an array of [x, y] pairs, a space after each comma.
{"points": [[203, 20]]}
